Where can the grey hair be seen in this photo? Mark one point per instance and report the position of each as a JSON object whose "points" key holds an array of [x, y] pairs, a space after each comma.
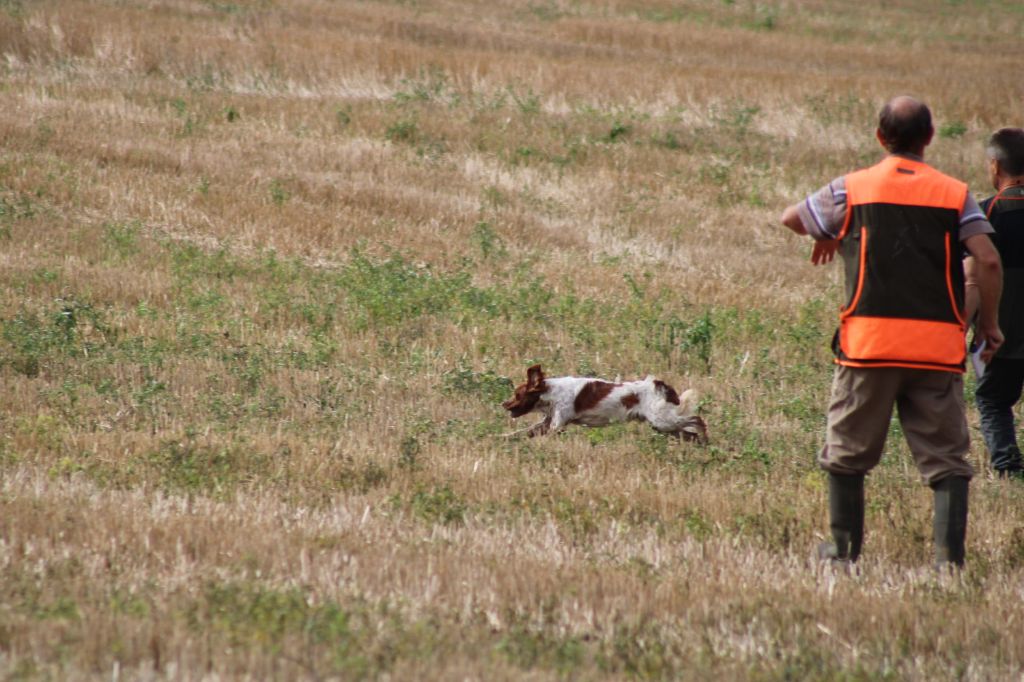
{"points": [[1007, 147]]}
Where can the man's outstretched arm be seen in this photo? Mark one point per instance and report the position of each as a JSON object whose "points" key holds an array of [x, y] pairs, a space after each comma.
{"points": [[824, 249], [791, 219]]}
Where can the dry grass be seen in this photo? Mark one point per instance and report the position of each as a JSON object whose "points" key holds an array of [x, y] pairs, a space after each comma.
{"points": [[265, 270]]}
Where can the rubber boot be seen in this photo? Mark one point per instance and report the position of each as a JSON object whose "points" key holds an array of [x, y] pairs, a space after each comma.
{"points": [[846, 511], [950, 524]]}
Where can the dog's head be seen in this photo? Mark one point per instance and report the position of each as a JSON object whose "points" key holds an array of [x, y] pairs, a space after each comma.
{"points": [[527, 395]]}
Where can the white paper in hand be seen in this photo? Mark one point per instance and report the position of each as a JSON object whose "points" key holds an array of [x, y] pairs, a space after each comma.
{"points": [[976, 361]]}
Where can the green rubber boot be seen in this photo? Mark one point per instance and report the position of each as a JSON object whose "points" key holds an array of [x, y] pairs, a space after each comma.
{"points": [[950, 524], [846, 511]]}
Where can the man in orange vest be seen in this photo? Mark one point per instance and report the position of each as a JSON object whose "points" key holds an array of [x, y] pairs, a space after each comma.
{"points": [[900, 228]]}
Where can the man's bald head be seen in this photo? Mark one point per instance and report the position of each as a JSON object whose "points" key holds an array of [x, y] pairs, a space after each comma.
{"points": [[905, 125]]}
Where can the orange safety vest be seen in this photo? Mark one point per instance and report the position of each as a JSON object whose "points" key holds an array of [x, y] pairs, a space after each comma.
{"points": [[904, 272]]}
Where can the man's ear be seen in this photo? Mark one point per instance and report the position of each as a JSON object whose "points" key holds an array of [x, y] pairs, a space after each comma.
{"points": [[995, 172], [534, 376], [931, 134], [881, 139]]}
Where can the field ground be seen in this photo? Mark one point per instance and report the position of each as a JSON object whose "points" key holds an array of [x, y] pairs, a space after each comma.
{"points": [[268, 268]]}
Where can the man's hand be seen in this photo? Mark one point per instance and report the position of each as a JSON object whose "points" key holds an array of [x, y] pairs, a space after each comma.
{"points": [[993, 338], [824, 251]]}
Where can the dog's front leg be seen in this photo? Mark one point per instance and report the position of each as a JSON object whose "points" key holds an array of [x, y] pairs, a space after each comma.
{"points": [[557, 422]]}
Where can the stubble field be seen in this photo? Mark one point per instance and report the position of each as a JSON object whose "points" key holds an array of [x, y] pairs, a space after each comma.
{"points": [[268, 268]]}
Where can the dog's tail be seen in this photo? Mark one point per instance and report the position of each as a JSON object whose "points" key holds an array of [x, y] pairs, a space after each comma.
{"points": [[688, 402], [694, 427]]}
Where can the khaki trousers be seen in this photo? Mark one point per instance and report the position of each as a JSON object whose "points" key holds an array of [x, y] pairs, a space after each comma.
{"points": [[930, 405]]}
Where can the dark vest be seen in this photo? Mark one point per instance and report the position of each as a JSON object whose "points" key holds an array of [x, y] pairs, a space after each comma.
{"points": [[1006, 213], [904, 274]]}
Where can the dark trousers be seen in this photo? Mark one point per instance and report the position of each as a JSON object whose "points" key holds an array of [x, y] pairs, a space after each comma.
{"points": [[999, 389]]}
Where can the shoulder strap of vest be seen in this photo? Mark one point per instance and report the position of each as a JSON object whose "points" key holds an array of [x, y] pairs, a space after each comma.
{"points": [[898, 180], [995, 200]]}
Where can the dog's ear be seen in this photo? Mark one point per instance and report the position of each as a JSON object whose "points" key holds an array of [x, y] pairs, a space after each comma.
{"points": [[534, 377], [688, 401]]}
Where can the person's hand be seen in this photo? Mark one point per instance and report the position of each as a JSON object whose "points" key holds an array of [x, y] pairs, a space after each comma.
{"points": [[993, 337], [824, 251]]}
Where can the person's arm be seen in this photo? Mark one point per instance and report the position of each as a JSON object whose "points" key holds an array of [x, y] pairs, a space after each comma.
{"points": [[791, 219], [824, 248], [987, 273], [972, 296]]}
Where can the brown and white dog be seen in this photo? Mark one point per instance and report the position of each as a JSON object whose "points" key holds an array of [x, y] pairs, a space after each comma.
{"points": [[593, 402]]}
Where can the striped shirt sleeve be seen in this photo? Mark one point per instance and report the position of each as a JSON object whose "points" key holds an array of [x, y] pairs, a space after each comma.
{"points": [[973, 220], [824, 212]]}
